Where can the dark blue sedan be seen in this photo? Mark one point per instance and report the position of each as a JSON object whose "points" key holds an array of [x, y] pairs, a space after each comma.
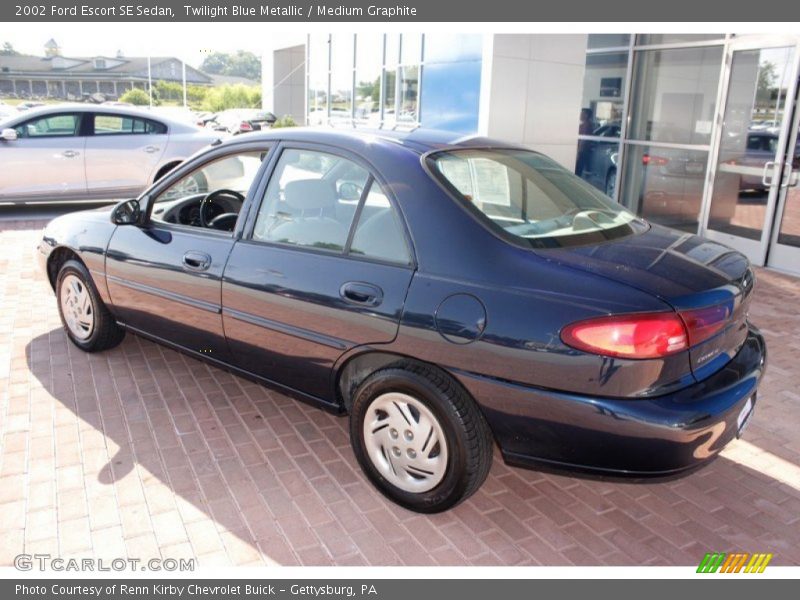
{"points": [[446, 294]]}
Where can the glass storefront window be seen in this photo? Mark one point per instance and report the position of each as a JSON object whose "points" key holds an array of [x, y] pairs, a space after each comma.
{"points": [[369, 58], [754, 114], [597, 163], [665, 185], [318, 57], [389, 94], [409, 93], [341, 99], [411, 52], [392, 49], [674, 94], [647, 39], [453, 47], [608, 40], [603, 93]]}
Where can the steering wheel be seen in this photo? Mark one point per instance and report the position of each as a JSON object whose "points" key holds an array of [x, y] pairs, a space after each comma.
{"points": [[209, 199]]}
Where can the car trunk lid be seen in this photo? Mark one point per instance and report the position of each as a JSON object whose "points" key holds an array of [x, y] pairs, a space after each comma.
{"points": [[709, 284]]}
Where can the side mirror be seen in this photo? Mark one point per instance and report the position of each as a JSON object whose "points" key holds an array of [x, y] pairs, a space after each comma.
{"points": [[8, 135], [126, 212]]}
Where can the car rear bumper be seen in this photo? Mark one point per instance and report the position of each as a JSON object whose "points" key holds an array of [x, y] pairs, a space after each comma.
{"points": [[647, 436]]}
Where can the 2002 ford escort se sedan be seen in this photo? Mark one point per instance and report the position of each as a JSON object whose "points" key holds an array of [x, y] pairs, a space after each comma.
{"points": [[446, 294]]}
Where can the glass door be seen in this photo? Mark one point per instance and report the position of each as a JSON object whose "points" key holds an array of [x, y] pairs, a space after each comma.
{"points": [[760, 83], [784, 252]]}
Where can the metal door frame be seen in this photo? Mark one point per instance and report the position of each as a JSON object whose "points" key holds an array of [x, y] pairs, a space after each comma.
{"points": [[756, 250]]}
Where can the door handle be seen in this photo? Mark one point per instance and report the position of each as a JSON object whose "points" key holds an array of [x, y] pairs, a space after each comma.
{"points": [[70, 153], [151, 149], [196, 261], [363, 294]]}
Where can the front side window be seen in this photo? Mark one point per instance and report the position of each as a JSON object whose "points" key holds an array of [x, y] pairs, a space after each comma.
{"points": [[530, 199], [50, 126], [212, 195]]}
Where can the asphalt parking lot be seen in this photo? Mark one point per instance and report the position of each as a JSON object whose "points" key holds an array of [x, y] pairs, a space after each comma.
{"points": [[143, 452]]}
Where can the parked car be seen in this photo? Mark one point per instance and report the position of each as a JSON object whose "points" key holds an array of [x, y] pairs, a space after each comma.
{"points": [[598, 160], [24, 106], [744, 157], [78, 152], [242, 120], [446, 295], [6, 110]]}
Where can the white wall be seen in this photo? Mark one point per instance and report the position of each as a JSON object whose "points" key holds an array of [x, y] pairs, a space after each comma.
{"points": [[282, 93], [532, 91]]}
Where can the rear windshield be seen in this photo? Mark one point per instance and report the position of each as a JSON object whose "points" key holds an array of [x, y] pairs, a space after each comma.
{"points": [[530, 199]]}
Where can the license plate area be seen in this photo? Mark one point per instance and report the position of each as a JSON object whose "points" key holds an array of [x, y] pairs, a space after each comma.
{"points": [[745, 415]]}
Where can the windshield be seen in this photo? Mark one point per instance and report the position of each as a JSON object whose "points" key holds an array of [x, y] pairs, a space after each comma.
{"points": [[531, 199]]}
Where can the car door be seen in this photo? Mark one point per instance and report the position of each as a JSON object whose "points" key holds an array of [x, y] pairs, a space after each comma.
{"points": [[122, 152], [164, 275], [46, 161], [323, 266]]}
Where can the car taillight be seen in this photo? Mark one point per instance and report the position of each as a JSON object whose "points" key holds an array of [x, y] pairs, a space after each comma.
{"points": [[645, 335], [703, 323], [656, 161], [245, 126]]}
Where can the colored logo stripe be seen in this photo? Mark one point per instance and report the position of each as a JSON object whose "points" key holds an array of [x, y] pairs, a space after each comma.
{"points": [[734, 562]]}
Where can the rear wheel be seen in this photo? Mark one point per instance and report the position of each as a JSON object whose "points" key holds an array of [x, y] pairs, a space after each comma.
{"points": [[419, 438], [87, 321]]}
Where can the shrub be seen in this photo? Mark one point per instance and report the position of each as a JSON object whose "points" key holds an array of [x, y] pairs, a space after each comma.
{"points": [[284, 121], [136, 96], [232, 96]]}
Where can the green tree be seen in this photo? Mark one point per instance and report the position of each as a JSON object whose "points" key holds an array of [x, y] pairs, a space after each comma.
{"points": [[8, 50], [767, 77], [136, 96], [232, 96], [284, 121], [240, 64]]}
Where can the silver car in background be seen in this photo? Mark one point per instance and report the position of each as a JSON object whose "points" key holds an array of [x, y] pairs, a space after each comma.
{"points": [[90, 152]]}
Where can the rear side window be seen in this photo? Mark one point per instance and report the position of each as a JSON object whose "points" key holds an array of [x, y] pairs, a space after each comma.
{"points": [[530, 199], [126, 125], [379, 232]]}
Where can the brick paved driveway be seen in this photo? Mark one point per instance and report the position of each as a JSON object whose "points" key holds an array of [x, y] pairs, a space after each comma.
{"points": [[144, 452]]}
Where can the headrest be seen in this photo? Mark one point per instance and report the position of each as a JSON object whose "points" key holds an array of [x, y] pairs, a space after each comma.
{"points": [[310, 194]]}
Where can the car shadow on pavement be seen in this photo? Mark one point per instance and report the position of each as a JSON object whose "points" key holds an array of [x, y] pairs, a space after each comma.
{"points": [[182, 458]]}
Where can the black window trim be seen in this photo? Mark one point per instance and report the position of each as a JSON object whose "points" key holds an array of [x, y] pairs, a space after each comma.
{"points": [[373, 175]]}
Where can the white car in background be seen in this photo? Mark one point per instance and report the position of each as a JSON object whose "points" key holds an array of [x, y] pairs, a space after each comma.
{"points": [[90, 152]]}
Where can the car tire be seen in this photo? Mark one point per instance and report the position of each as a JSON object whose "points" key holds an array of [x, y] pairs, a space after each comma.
{"points": [[86, 319], [419, 437]]}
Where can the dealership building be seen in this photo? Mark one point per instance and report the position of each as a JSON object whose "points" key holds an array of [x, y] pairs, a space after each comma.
{"points": [[694, 131]]}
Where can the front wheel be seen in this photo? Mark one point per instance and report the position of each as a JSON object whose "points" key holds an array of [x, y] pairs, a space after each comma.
{"points": [[419, 438], [87, 321]]}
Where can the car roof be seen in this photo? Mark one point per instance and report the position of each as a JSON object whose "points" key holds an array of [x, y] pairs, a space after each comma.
{"points": [[417, 140]]}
